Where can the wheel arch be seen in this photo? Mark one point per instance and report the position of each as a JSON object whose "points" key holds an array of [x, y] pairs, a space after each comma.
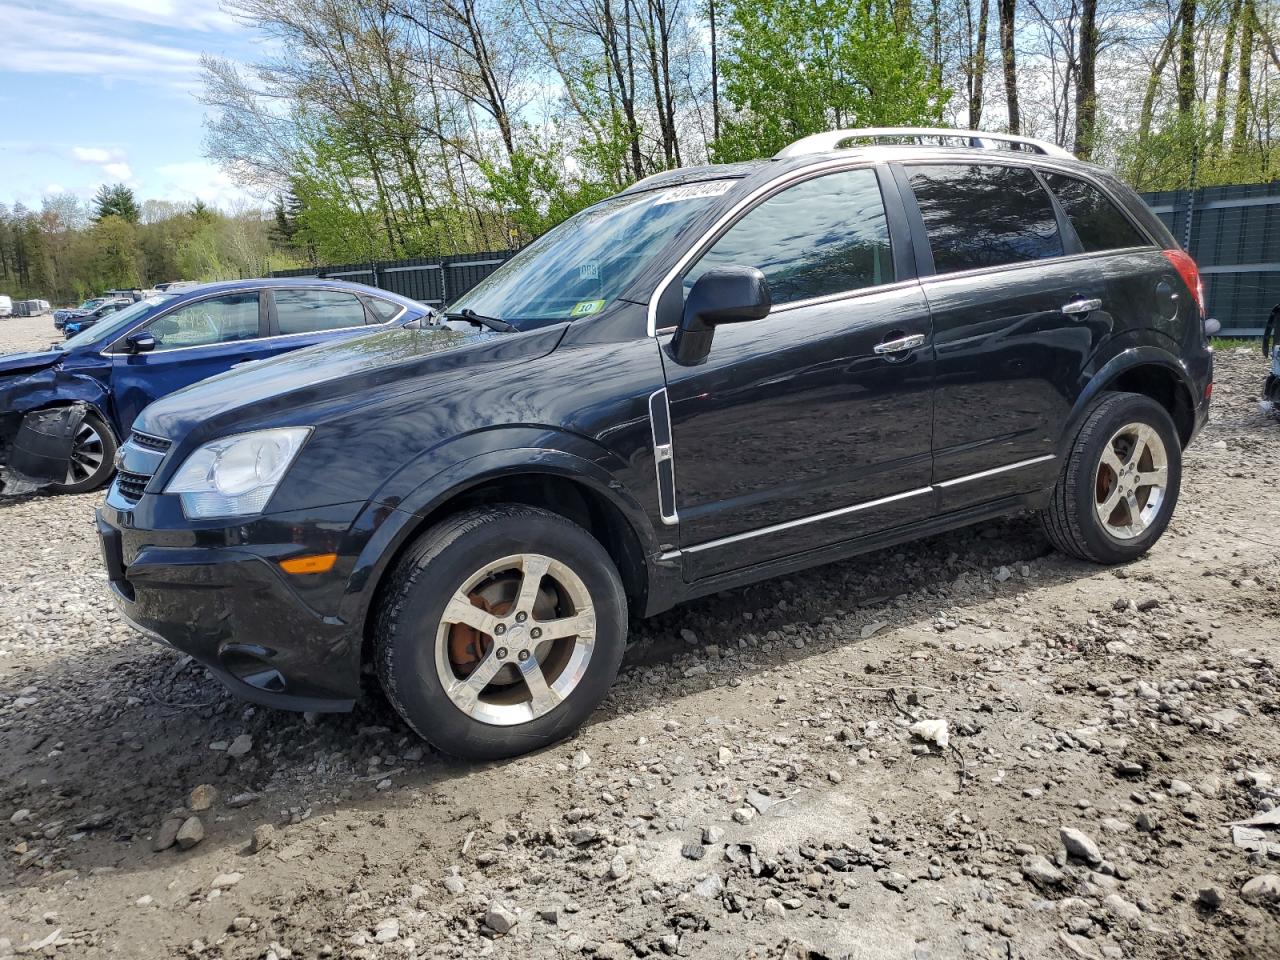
{"points": [[1146, 370], [579, 490]]}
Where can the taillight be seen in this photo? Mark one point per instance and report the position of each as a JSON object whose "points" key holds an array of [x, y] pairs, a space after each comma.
{"points": [[1189, 273]]}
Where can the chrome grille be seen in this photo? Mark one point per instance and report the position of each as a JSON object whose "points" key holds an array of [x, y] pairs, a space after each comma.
{"points": [[131, 485], [148, 442]]}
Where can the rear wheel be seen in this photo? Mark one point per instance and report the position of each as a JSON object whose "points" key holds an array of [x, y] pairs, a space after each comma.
{"points": [[93, 452], [502, 630], [1119, 482]]}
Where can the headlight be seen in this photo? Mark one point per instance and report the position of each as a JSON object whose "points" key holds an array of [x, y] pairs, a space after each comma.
{"points": [[236, 476]]}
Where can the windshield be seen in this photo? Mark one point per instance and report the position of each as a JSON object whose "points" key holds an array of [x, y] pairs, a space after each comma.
{"points": [[576, 269], [114, 324]]}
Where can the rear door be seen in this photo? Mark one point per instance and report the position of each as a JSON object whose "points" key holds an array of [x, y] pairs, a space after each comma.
{"points": [[1017, 312], [796, 432], [194, 341], [300, 317]]}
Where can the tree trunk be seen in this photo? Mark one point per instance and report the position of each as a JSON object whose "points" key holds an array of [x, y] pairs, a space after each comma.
{"points": [[1086, 85], [1187, 58], [1008, 10], [979, 67], [1147, 111], [1224, 75], [715, 74], [1244, 80]]}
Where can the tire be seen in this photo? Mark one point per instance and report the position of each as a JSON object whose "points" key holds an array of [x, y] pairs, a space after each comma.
{"points": [[428, 642], [93, 457], [1086, 487]]}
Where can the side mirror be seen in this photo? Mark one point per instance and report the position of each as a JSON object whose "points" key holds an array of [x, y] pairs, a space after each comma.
{"points": [[721, 295], [141, 343]]}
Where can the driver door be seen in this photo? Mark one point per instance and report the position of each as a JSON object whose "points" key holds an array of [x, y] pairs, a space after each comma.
{"points": [[193, 342], [801, 429]]}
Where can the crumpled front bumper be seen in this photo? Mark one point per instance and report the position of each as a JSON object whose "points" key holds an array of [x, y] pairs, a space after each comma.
{"points": [[219, 595], [35, 447]]}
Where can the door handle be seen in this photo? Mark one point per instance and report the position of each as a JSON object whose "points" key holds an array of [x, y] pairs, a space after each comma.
{"points": [[901, 345], [1077, 307]]}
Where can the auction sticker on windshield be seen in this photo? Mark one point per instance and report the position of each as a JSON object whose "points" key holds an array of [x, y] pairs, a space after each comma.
{"points": [[693, 191], [584, 308]]}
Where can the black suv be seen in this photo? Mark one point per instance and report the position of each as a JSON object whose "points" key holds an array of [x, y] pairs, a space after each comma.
{"points": [[722, 374]]}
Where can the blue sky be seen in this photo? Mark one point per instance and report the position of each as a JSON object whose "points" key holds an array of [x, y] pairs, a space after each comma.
{"points": [[95, 91]]}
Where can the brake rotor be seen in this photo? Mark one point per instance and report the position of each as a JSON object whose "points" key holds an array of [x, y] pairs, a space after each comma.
{"points": [[468, 646]]}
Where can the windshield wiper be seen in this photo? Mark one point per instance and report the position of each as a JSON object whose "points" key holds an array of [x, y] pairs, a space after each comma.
{"points": [[480, 320]]}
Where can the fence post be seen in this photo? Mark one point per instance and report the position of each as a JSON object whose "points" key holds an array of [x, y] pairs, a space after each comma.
{"points": [[1187, 221], [444, 282]]}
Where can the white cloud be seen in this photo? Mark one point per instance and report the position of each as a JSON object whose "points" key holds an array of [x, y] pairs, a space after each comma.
{"points": [[112, 161], [185, 15], [196, 180], [96, 154], [40, 41]]}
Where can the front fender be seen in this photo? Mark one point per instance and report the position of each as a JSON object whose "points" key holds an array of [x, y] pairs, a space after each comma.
{"points": [[385, 525], [28, 402], [1100, 379]]}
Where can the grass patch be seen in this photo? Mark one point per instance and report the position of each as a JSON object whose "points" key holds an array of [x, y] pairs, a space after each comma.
{"points": [[1230, 343]]}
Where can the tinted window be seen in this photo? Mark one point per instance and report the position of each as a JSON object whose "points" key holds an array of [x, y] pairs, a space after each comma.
{"points": [[306, 311], [984, 216], [384, 310], [216, 320], [823, 236], [1099, 225]]}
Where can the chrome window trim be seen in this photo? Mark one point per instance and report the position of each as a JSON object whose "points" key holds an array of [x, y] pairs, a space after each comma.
{"points": [[833, 298], [109, 351], [1025, 264], [782, 181]]}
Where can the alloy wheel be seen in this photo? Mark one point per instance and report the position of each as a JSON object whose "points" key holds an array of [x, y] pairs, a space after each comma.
{"points": [[87, 454], [515, 639], [1131, 481]]}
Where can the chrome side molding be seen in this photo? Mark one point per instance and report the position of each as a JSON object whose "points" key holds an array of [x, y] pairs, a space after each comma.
{"points": [[664, 458], [840, 512]]}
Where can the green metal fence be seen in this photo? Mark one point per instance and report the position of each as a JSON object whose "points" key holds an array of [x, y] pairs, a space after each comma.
{"points": [[433, 280], [1233, 233]]}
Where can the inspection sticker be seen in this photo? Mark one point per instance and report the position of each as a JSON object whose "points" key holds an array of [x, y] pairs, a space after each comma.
{"points": [[694, 191], [584, 308]]}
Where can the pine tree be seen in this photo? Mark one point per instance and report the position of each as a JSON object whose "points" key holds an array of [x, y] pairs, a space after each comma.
{"points": [[116, 200]]}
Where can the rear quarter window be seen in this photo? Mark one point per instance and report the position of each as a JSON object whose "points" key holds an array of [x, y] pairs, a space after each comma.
{"points": [[383, 310], [1097, 221], [980, 215]]}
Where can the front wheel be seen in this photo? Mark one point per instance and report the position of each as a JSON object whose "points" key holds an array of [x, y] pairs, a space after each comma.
{"points": [[501, 630], [1119, 482], [93, 453]]}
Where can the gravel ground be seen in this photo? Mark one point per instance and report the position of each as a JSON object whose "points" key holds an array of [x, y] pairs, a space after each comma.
{"points": [[752, 788]]}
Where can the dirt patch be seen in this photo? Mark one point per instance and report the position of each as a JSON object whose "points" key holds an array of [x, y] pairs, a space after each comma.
{"points": [[751, 787]]}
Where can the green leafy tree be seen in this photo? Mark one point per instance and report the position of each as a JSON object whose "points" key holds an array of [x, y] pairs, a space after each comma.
{"points": [[116, 200], [115, 263], [201, 212], [796, 67]]}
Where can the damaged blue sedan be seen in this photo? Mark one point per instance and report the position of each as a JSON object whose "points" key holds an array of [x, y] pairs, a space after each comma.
{"points": [[65, 410]]}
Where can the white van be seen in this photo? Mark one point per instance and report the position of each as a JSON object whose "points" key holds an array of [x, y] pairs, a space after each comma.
{"points": [[6, 306]]}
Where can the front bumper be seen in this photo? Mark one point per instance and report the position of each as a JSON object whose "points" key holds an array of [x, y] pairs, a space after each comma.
{"points": [[218, 594]]}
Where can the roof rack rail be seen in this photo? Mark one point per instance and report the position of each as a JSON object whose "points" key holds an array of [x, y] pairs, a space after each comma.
{"points": [[980, 139]]}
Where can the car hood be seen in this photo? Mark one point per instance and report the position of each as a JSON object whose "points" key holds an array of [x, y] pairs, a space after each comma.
{"points": [[27, 362], [271, 390]]}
